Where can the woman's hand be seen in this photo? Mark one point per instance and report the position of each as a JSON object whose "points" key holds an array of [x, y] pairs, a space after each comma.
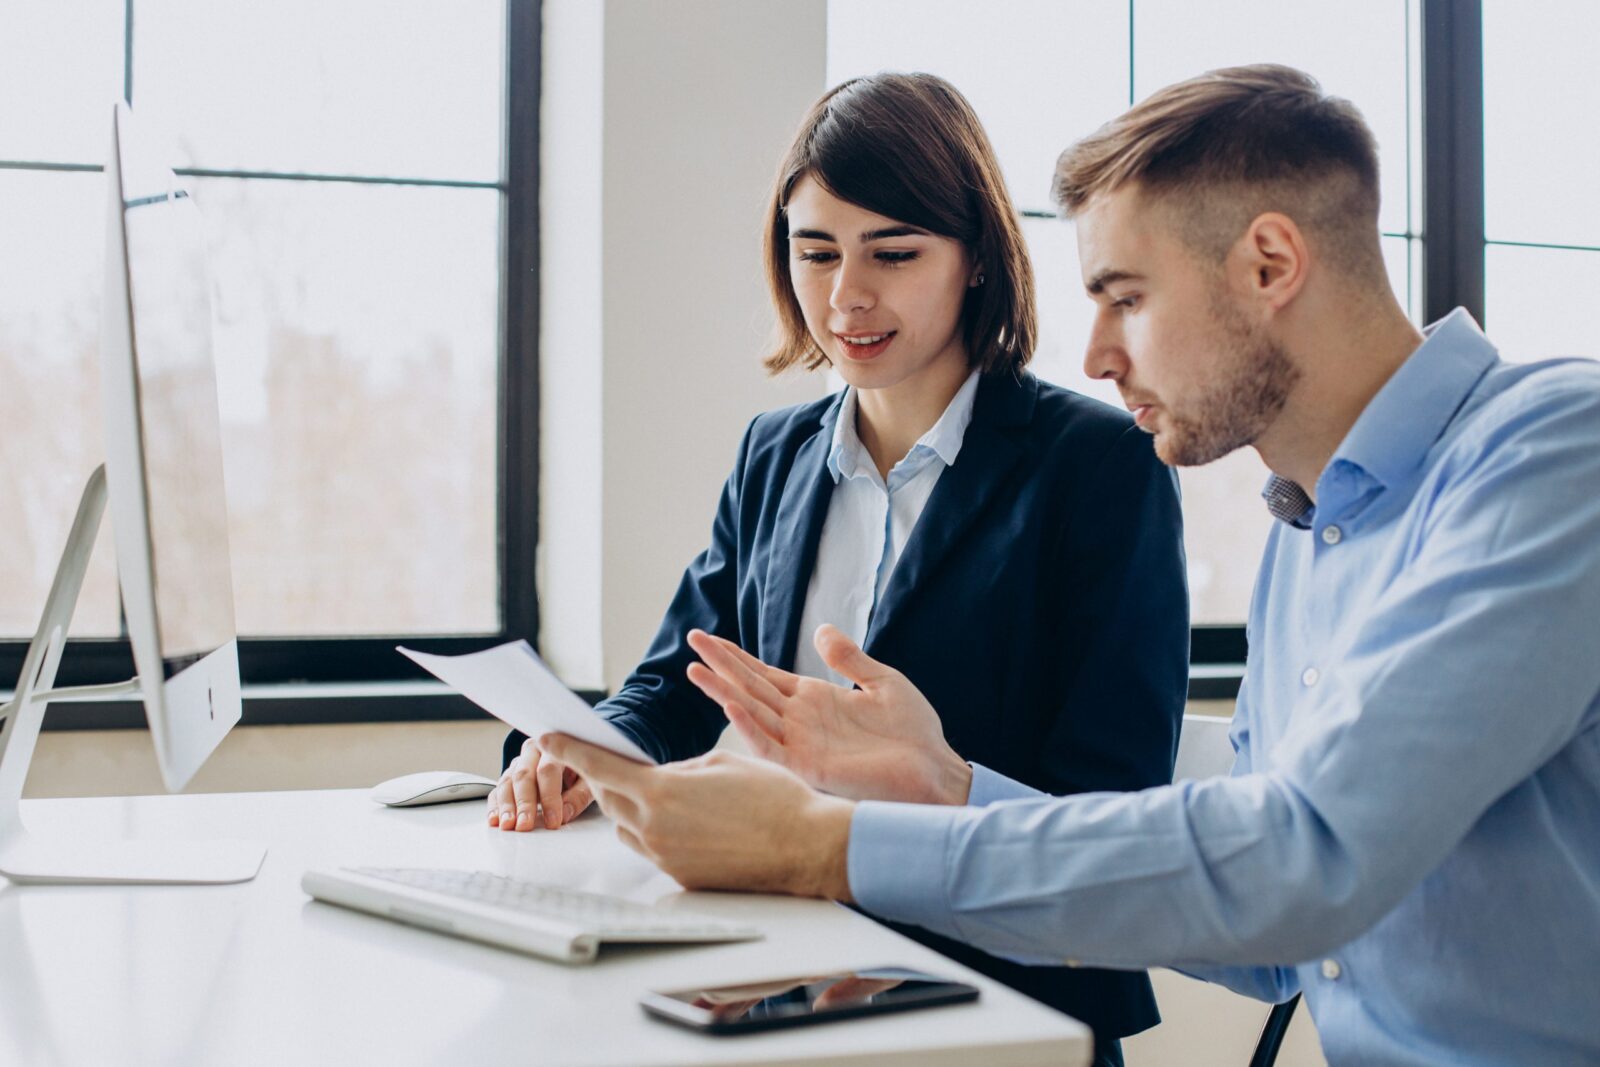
{"points": [[882, 741], [535, 781]]}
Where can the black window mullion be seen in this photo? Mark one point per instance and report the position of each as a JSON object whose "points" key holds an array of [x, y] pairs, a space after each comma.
{"points": [[1452, 158], [519, 345]]}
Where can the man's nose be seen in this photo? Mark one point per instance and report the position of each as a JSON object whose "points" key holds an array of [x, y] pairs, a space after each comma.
{"points": [[1105, 356]]}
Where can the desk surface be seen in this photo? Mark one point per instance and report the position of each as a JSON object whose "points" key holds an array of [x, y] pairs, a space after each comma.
{"points": [[260, 973]]}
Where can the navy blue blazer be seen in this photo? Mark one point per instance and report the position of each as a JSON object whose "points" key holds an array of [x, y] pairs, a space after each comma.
{"points": [[1039, 604]]}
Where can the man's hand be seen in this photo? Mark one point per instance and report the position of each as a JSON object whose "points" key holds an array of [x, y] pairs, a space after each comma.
{"points": [[532, 781], [882, 741], [720, 821]]}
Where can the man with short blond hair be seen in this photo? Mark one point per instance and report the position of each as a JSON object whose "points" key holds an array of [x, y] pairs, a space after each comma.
{"points": [[1411, 832]]}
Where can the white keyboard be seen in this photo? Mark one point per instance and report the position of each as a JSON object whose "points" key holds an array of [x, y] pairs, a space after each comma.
{"points": [[561, 924]]}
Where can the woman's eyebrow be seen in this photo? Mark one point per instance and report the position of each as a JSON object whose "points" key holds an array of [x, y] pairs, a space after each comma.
{"points": [[867, 235], [894, 231]]}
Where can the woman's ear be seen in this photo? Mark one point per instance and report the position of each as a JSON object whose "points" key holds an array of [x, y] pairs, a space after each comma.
{"points": [[975, 275]]}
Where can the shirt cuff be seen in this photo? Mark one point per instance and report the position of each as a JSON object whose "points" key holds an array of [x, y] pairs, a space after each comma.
{"points": [[989, 786], [897, 863]]}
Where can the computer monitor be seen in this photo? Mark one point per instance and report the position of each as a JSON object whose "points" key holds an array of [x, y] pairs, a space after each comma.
{"points": [[164, 458], [163, 473]]}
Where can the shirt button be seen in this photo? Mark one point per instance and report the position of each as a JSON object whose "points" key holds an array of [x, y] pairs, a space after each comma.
{"points": [[1332, 535], [1309, 676], [1331, 970]]}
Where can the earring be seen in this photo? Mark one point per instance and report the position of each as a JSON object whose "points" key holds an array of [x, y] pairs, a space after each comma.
{"points": [[980, 279]]}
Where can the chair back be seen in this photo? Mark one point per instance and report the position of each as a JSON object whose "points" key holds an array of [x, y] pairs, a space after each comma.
{"points": [[1204, 750]]}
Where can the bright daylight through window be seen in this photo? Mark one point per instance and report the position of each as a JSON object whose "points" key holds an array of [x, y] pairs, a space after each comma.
{"points": [[1042, 74], [348, 159], [358, 318]]}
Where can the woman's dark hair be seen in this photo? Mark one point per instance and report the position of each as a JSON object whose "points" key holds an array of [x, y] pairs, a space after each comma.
{"points": [[910, 148]]}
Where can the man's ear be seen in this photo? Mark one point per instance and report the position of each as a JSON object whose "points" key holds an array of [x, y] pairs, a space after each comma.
{"points": [[1274, 260]]}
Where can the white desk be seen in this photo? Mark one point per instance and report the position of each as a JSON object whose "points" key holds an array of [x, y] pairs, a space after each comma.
{"points": [[260, 974]]}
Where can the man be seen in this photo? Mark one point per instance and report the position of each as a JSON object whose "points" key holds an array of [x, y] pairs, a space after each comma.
{"points": [[1411, 834]]}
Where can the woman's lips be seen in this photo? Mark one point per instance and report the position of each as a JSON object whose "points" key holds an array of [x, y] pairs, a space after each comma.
{"points": [[864, 346]]}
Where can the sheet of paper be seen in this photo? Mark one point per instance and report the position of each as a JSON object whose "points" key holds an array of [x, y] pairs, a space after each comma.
{"points": [[513, 684]]}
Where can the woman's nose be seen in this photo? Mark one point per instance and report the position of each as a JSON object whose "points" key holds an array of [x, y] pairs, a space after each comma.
{"points": [[850, 289]]}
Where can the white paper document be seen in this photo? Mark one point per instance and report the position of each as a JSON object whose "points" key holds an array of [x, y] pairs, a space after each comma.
{"points": [[513, 684]]}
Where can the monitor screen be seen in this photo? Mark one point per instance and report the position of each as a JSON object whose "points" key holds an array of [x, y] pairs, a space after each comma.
{"points": [[179, 428]]}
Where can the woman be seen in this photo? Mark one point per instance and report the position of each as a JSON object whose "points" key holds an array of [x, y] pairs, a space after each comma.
{"points": [[1013, 548]]}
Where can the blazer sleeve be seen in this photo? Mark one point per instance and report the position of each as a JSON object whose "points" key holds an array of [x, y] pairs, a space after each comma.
{"points": [[657, 706], [1123, 645]]}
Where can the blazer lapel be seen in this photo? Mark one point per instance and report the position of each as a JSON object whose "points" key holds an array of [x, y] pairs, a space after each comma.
{"points": [[993, 443], [797, 529]]}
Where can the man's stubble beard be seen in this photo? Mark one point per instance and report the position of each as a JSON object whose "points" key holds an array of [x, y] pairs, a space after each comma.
{"points": [[1252, 384]]}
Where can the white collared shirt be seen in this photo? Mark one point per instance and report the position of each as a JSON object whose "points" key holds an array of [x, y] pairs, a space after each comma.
{"points": [[869, 522]]}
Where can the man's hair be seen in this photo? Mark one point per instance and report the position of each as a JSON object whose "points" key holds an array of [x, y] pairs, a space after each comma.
{"points": [[1222, 148], [909, 147]]}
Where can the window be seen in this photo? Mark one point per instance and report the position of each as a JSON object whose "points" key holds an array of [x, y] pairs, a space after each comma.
{"points": [[365, 199], [1541, 170], [1492, 98]]}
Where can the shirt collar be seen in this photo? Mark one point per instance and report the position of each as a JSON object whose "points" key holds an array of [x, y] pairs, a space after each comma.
{"points": [[848, 456], [1400, 424]]}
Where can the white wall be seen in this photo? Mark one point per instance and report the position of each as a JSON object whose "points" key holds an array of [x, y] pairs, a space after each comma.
{"points": [[663, 127], [571, 339]]}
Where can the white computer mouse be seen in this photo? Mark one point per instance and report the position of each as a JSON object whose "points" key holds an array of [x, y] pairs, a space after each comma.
{"points": [[431, 787]]}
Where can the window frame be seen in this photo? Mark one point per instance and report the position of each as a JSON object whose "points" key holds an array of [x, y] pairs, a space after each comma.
{"points": [[361, 678], [320, 676]]}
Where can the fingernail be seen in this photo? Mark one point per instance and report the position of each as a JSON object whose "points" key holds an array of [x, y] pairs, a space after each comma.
{"points": [[524, 820], [567, 813]]}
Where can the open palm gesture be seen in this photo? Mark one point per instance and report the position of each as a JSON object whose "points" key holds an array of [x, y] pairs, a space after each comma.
{"points": [[880, 741]]}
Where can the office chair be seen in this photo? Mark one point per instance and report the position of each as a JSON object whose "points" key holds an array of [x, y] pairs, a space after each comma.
{"points": [[1277, 1025], [1204, 751]]}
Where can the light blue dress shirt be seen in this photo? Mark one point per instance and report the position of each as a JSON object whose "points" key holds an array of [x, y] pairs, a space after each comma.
{"points": [[1411, 834], [869, 521]]}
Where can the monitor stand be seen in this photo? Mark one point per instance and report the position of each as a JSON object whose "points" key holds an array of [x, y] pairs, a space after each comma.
{"points": [[25, 858]]}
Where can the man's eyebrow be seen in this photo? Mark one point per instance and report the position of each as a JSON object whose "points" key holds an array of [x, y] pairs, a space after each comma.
{"points": [[1098, 283]]}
